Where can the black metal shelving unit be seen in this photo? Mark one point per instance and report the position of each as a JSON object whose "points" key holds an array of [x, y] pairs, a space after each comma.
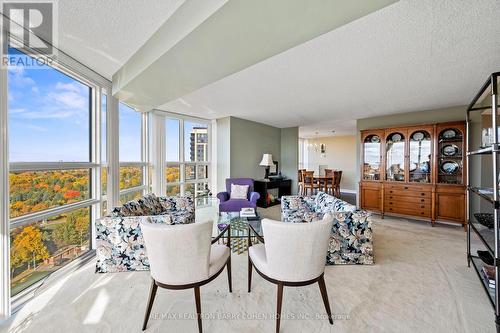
{"points": [[489, 237]]}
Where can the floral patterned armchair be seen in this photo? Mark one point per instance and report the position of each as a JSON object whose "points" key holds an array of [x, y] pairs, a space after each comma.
{"points": [[119, 240], [351, 240]]}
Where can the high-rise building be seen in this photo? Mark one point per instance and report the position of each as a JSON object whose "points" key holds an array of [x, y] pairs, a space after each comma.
{"points": [[199, 144]]}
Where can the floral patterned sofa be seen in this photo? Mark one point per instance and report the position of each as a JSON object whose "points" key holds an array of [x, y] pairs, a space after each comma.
{"points": [[351, 237], [119, 241]]}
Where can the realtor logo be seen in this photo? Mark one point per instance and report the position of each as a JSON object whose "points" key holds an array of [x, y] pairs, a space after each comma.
{"points": [[30, 27]]}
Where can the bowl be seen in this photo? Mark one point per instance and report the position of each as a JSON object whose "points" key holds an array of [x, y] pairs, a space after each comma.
{"points": [[485, 219]]}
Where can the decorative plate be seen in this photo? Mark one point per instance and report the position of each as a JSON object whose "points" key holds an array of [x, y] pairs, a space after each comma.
{"points": [[449, 150], [418, 136], [449, 167], [449, 133], [396, 137], [375, 139], [413, 166]]}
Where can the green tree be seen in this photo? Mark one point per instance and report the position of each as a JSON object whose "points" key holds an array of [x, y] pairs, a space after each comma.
{"points": [[81, 227], [28, 247], [65, 233]]}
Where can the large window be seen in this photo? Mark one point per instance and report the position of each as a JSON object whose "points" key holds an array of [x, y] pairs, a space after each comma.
{"points": [[132, 140], [51, 121], [187, 156]]}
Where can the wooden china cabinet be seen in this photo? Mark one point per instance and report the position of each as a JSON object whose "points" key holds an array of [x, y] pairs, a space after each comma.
{"points": [[415, 171]]}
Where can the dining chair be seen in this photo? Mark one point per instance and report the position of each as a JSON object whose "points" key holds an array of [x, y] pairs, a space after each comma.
{"points": [[309, 183], [330, 181], [280, 258], [300, 184], [184, 256], [336, 180]]}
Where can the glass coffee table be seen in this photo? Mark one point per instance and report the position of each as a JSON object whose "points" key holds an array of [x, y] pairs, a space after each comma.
{"points": [[239, 229]]}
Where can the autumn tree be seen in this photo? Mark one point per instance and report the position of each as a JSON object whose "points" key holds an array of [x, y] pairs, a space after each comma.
{"points": [[28, 247]]}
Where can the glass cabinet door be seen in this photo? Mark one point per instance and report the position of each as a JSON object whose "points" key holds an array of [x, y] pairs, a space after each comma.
{"points": [[371, 156], [450, 156], [395, 157], [420, 156]]}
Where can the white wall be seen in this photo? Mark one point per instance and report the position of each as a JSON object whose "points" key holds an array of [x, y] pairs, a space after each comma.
{"points": [[340, 154]]}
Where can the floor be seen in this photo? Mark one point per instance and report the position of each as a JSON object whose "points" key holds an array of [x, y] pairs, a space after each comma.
{"points": [[419, 283]]}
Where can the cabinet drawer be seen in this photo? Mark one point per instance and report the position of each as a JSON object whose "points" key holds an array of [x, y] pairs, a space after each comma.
{"points": [[407, 205], [409, 187], [401, 194], [404, 198], [422, 212]]}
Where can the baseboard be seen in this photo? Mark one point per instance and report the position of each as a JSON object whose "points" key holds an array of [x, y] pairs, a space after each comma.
{"points": [[348, 191]]}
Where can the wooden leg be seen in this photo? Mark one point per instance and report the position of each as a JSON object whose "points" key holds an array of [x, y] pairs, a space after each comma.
{"points": [[322, 288], [152, 294], [229, 273], [249, 274], [198, 307], [278, 307]]}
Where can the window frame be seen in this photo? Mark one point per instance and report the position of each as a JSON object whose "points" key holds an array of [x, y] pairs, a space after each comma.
{"points": [[161, 151]]}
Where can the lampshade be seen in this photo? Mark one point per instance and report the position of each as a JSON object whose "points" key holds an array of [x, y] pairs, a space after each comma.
{"points": [[267, 160]]}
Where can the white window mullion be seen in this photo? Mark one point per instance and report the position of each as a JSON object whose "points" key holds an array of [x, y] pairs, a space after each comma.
{"points": [[95, 139], [5, 306], [158, 154], [113, 158]]}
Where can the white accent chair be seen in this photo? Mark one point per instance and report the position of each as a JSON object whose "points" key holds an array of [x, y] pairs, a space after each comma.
{"points": [[293, 255], [182, 257]]}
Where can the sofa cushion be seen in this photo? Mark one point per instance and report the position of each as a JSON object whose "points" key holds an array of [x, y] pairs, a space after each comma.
{"points": [[351, 240], [298, 209], [326, 203]]}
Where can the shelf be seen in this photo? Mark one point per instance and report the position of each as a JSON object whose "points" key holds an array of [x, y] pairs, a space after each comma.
{"points": [[457, 139], [477, 264], [486, 196], [481, 151], [450, 157], [486, 235]]}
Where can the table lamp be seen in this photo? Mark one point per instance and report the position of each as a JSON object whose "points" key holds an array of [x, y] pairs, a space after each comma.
{"points": [[267, 161]]}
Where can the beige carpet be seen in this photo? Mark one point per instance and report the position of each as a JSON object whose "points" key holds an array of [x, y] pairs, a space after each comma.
{"points": [[420, 283]]}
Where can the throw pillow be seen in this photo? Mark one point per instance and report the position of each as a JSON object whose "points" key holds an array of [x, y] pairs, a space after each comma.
{"points": [[239, 191]]}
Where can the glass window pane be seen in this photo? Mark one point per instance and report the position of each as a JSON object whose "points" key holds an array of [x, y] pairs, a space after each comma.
{"points": [[173, 190], [395, 157], [173, 173], [130, 134], [131, 196], [189, 189], [201, 171], [49, 115], [34, 191], [190, 172], [40, 248], [202, 189], [172, 139], [130, 177], [104, 208], [104, 180], [195, 142]]}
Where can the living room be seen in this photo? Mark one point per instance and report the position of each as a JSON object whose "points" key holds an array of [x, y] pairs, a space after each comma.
{"points": [[216, 166]]}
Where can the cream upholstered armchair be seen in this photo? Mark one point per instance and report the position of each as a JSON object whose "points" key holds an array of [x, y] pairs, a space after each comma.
{"points": [[184, 257], [292, 255]]}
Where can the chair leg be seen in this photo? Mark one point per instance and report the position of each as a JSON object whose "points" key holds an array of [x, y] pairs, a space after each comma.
{"points": [[152, 294], [278, 307], [322, 288], [198, 307], [229, 274], [249, 274]]}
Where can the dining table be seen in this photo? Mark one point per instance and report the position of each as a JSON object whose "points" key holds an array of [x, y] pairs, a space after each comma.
{"points": [[323, 181]]}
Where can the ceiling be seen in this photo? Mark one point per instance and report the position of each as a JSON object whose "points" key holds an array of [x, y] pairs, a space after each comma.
{"points": [[104, 34], [413, 55]]}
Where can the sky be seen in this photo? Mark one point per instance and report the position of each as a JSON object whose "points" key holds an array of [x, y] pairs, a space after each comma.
{"points": [[49, 120]]}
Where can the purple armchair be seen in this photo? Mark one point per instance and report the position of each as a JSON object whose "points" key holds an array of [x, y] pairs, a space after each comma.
{"points": [[235, 205]]}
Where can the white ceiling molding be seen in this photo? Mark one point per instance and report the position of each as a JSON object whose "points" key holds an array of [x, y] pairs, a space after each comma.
{"points": [[205, 41]]}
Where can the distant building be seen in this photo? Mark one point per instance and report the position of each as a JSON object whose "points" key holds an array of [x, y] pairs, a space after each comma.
{"points": [[199, 144]]}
